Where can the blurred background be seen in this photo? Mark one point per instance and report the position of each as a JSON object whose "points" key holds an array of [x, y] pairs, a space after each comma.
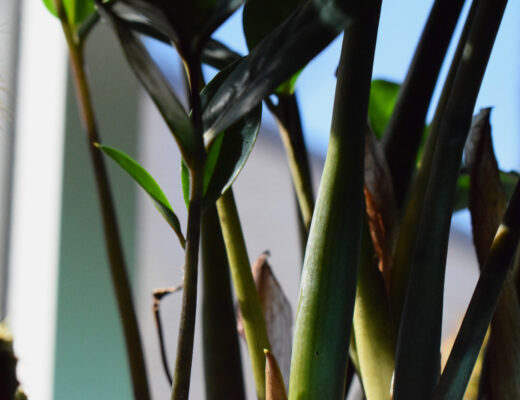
{"points": [[55, 287]]}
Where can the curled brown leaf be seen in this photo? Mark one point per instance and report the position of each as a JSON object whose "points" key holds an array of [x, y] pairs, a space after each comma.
{"points": [[274, 386], [277, 313], [380, 203]]}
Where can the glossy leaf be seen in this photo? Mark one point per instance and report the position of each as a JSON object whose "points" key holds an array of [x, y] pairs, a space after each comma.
{"points": [[260, 17], [77, 10], [383, 96], [218, 55], [154, 82], [281, 54], [186, 23], [150, 186], [228, 153]]}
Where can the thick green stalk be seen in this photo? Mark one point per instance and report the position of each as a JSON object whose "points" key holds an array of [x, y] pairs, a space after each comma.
{"points": [[222, 364], [328, 288], [404, 132], [410, 223], [375, 339], [417, 361], [245, 288], [182, 372], [118, 271]]}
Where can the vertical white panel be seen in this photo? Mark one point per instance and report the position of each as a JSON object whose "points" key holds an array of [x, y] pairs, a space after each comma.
{"points": [[37, 195]]}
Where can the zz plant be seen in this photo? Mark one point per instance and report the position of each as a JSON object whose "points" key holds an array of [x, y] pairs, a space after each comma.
{"points": [[375, 239]]}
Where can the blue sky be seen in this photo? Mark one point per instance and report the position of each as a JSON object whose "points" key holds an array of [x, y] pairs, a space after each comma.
{"points": [[398, 35]]}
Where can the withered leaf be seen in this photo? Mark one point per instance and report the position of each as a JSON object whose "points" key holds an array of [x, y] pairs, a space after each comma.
{"points": [[487, 203], [274, 385], [277, 313], [380, 203]]}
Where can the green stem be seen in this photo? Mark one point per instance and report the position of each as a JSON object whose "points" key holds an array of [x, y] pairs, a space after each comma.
{"points": [[404, 132], [222, 363], [289, 124], [182, 371], [245, 289], [402, 258], [418, 361], [375, 339], [118, 271], [328, 288]]}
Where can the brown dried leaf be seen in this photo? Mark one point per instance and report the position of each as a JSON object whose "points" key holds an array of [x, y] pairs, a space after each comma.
{"points": [[380, 203], [502, 360], [487, 203], [277, 313], [487, 200], [274, 386]]}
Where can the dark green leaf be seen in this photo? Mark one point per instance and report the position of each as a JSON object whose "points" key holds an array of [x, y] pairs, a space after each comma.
{"points": [[218, 55], [148, 183], [77, 10], [227, 155], [274, 60], [383, 96], [261, 17], [154, 82], [186, 23], [418, 357], [471, 334]]}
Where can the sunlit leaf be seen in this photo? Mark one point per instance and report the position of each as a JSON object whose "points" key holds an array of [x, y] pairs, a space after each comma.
{"points": [[154, 82], [227, 154], [185, 179], [260, 17], [383, 96], [150, 186], [77, 10], [218, 55], [186, 23], [279, 56]]}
